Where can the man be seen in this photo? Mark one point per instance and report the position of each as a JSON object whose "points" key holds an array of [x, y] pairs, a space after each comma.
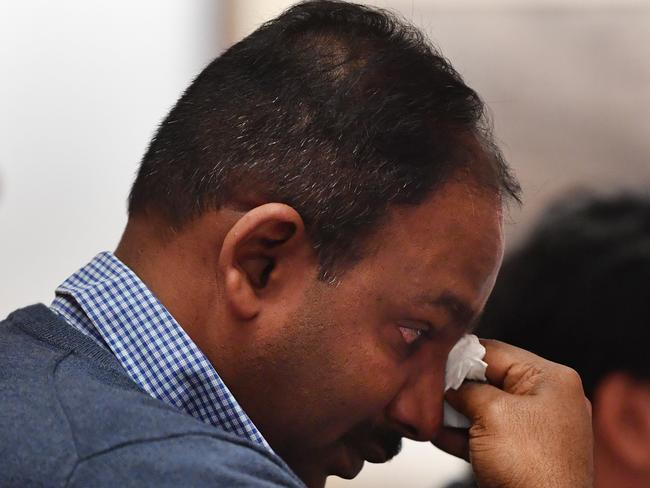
{"points": [[315, 224], [577, 293]]}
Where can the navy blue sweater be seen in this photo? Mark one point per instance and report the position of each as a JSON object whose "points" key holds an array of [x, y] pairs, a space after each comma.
{"points": [[70, 416]]}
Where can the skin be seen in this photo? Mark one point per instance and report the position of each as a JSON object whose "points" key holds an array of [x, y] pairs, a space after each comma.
{"points": [[622, 431], [531, 424], [335, 374], [350, 373]]}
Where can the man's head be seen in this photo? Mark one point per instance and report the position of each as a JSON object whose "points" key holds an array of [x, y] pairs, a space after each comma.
{"points": [[334, 109], [577, 293], [321, 211]]}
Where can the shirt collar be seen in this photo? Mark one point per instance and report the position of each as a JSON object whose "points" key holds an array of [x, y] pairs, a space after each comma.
{"points": [[108, 302]]}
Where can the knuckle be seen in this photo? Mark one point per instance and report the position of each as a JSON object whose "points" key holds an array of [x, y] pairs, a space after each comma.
{"points": [[570, 382], [588, 407], [522, 378], [570, 377]]}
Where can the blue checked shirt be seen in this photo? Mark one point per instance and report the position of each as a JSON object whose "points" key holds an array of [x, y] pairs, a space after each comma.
{"points": [[107, 301]]}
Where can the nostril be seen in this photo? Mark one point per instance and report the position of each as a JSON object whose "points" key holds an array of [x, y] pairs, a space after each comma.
{"points": [[427, 428], [423, 434]]}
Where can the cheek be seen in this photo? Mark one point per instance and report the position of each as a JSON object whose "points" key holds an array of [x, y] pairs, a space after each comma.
{"points": [[358, 384], [344, 372]]}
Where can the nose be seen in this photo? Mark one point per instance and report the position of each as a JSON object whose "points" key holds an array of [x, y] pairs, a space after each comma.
{"points": [[416, 411]]}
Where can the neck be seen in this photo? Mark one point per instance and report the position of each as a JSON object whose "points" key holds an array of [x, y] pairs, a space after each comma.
{"points": [[172, 269]]}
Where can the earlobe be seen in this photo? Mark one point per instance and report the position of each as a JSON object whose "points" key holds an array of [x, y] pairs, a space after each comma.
{"points": [[264, 238]]}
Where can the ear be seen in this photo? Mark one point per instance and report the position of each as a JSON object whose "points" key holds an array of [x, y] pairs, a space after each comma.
{"points": [[260, 255], [622, 419]]}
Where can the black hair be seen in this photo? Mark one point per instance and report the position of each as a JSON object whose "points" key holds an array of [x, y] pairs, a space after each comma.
{"points": [[336, 109], [578, 291]]}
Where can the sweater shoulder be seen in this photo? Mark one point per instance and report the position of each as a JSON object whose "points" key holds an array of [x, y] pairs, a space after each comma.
{"points": [[68, 406], [191, 460], [35, 441]]}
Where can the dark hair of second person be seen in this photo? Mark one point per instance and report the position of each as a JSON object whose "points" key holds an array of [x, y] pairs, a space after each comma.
{"points": [[577, 292]]}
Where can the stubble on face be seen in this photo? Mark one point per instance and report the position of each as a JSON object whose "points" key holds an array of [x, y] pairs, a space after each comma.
{"points": [[329, 407], [329, 374]]}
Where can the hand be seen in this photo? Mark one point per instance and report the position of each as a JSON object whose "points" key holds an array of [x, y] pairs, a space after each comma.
{"points": [[531, 425]]}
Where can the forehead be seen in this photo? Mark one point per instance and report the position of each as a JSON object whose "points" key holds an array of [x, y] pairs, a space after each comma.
{"points": [[460, 213], [449, 245]]}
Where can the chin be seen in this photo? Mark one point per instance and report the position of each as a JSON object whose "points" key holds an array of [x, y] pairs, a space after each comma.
{"points": [[344, 462], [347, 464]]}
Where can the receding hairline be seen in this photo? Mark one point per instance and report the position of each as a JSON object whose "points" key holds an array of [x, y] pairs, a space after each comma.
{"points": [[191, 167]]}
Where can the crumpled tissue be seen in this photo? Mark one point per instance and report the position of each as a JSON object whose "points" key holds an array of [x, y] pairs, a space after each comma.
{"points": [[465, 362]]}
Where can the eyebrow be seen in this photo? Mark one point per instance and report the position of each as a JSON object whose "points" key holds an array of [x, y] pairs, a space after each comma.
{"points": [[463, 313]]}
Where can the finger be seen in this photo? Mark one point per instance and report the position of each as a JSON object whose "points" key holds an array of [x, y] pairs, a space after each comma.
{"points": [[504, 359], [453, 441], [472, 397]]}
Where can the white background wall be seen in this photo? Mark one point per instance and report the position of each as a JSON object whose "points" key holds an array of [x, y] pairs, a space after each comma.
{"points": [[567, 82], [83, 84]]}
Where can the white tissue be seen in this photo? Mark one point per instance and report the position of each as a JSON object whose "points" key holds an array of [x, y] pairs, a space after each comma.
{"points": [[465, 362]]}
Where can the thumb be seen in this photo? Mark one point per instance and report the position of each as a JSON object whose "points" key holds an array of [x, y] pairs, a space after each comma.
{"points": [[453, 441], [472, 398]]}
